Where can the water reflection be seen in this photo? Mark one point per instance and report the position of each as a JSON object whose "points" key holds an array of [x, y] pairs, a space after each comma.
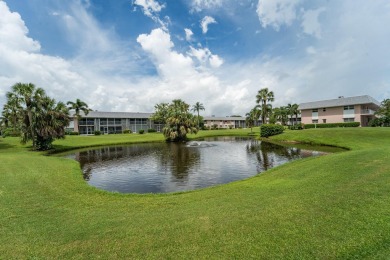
{"points": [[168, 167]]}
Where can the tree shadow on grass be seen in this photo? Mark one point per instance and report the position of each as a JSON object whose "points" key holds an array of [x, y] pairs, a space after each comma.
{"points": [[4, 146]]}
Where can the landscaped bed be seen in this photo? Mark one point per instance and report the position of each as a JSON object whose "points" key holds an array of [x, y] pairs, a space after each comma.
{"points": [[334, 206]]}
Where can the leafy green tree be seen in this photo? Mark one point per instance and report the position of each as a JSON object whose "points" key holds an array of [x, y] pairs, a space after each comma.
{"points": [[196, 108], [177, 119], [384, 113], [11, 116], [263, 97], [39, 118], [252, 117]]}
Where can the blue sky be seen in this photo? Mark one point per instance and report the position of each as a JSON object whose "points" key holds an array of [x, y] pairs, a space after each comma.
{"points": [[128, 55]]}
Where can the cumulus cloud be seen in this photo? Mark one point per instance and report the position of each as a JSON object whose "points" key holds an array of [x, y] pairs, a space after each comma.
{"points": [[310, 23], [276, 13], [205, 57], [189, 34], [199, 5], [205, 22], [13, 31]]}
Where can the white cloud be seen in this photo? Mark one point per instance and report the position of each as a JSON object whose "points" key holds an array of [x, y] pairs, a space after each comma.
{"points": [[199, 5], [310, 23], [13, 31], [189, 34], [149, 7], [276, 13], [205, 22], [205, 57]]}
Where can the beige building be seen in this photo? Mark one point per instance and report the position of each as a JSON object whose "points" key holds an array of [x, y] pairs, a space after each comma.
{"points": [[225, 122], [350, 109]]}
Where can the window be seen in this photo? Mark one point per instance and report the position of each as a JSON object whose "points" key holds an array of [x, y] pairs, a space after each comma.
{"points": [[324, 109], [103, 121], [118, 121], [314, 121], [349, 120], [349, 107], [314, 110], [324, 121]]}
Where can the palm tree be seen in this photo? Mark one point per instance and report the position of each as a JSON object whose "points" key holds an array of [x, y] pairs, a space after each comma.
{"points": [[26, 97], [263, 96], [77, 107], [196, 108], [293, 110], [51, 119], [252, 117], [281, 114]]}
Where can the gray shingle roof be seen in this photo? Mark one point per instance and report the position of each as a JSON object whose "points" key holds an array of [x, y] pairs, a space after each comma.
{"points": [[344, 101], [99, 114]]}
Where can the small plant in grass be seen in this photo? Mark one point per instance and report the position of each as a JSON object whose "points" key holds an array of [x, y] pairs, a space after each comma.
{"points": [[151, 130], [97, 132], [127, 131], [297, 127], [141, 131]]}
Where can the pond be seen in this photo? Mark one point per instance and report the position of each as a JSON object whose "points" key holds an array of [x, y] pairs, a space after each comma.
{"points": [[172, 167]]}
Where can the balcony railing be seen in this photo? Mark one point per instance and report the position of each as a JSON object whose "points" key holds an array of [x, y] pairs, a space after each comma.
{"points": [[367, 112]]}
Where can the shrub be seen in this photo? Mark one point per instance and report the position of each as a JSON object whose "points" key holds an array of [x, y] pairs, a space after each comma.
{"points": [[97, 132], [296, 127], [10, 132], [267, 130], [151, 130], [72, 133], [127, 131], [230, 127], [141, 131], [332, 125]]}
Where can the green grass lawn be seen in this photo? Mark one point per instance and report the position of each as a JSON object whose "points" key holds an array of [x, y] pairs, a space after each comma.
{"points": [[330, 207]]}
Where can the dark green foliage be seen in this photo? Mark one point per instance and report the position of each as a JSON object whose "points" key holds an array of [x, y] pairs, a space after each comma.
{"points": [[151, 130], [296, 127], [10, 132], [382, 121], [267, 130], [72, 133], [332, 125], [97, 132], [127, 131], [141, 131]]}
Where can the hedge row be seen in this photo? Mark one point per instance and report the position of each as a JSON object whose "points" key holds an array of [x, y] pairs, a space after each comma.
{"points": [[270, 129], [332, 125]]}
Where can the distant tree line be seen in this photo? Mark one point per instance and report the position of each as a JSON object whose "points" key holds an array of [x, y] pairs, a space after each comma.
{"points": [[263, 110]]}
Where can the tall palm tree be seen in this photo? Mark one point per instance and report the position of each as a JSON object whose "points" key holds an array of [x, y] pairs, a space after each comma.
{"points": [[196, 108], [26, 96], [262, 98], [295, 111]]}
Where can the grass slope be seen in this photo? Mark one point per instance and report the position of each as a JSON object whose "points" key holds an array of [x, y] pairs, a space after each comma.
{"points": [[335, 206]]}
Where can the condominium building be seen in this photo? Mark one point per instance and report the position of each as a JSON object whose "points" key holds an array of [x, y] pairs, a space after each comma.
{"points": [[225, 122], [113, 122], [343, 109]]}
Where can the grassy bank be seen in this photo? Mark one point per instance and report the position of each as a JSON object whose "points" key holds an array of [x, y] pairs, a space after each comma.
{"points": [[335, 206]]}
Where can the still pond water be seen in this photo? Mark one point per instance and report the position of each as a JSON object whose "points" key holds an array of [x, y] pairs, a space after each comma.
{"points": [[170, 167]]}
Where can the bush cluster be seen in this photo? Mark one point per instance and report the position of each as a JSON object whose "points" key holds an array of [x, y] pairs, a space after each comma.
{"points": [[151, 130], [97, 132], [296, 127], [141, 131], [270, 130], [127, 131], [332, 125]]}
